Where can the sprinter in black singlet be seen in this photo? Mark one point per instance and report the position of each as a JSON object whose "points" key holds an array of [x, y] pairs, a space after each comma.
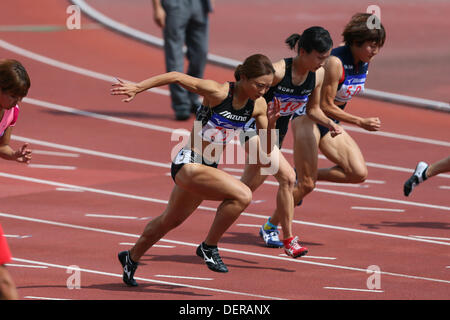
{"points": [[297, 85], [229, 106], [345, 76]]}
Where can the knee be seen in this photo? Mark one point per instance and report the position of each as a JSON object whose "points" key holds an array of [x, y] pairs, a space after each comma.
{"points": [[287, 180], [244, 198], [359, 175], [306, 185]]}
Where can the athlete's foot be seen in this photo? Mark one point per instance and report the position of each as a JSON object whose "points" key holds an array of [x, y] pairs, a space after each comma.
{"points": [[210, 255], [129, 268], [270, 237], [293, 248], [417, 177]]}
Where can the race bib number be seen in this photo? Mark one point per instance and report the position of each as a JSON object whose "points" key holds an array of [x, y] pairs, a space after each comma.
{"points": [[292, 104]]}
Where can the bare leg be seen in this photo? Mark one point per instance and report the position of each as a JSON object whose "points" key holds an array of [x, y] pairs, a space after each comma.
{"points": [[350, 165], [306, 141], [438, 167], [8, 289], [284, 212], [181, 205]]}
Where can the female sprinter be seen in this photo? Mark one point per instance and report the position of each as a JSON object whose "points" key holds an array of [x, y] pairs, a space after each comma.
{"points": [[228, 105], [14, 85], [297, 84], [345, 76]]}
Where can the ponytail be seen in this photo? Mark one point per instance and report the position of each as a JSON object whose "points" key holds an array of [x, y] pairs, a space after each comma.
{"points": [[313, 38], [237, 72], [293, 40]]}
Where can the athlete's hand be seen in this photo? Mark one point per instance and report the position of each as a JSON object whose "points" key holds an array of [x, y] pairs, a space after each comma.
{"points": [[23, 154], [370, 124], [335, 129], [273, 112], [124, 88]]}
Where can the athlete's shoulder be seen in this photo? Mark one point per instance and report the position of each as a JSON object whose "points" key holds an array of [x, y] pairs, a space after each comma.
{"points": [[260, 107], [280, 71]]}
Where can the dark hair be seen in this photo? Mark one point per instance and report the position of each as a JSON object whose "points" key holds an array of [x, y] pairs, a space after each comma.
{"points": [[14, 78], [314, 38], [357, 32], [254, 66]]}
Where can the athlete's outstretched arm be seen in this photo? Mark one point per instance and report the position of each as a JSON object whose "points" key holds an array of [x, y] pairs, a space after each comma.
{"points": [[210, 89], [333, 72]]}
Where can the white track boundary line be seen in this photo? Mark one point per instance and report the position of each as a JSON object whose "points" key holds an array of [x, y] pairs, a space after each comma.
{"points": [[109, 274], [288, 259], [134, 197]]}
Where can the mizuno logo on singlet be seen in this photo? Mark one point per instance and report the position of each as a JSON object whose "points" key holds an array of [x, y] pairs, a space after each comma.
{"points": [[229, 115]]}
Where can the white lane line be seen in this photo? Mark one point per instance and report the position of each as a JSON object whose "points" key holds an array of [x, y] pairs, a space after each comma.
{"points": [[352, 289], [154, 246], [129, 196], [99, 116], [57, 154], [69, 189], [444, 187], [91, 152], [181, 277], [345, 185], [374, 181], [251, 225], [109, 216], [432, 238], [309, 257], [181, 131], [106, 216], [48, 166], [43, 298], [15, 236], [363, 196], [68, 67], [377, 209], [379, 165], [115, 275], [241, 252], [25, 266]]}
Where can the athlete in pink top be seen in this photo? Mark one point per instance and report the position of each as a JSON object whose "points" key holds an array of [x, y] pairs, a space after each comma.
{"points": [[14, 85]]}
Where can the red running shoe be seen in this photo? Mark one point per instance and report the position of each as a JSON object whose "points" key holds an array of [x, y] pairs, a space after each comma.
{"points": [[293, 248]]}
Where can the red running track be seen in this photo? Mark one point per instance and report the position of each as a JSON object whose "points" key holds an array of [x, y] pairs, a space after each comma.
{"points": [[110, 176]]}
